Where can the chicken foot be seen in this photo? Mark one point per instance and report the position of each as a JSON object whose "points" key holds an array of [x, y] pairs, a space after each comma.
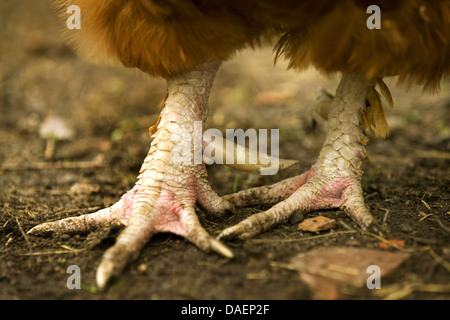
{"points": [[334, 181], [169, 186]]}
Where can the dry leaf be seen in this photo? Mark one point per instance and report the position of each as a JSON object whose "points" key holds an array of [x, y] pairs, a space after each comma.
{"points": [[319, 223], [325, 269], [391, 243]]}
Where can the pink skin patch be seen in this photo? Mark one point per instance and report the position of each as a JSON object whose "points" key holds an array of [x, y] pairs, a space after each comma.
{"points": [[332, 194], [169, 214], [127, 206]]}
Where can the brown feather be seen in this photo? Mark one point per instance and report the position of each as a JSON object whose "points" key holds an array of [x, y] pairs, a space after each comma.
{"points": [[164, 38], [385, 92], [374, 118]]}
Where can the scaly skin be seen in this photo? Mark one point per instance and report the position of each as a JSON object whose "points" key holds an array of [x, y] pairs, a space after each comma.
{"points": [[168, 188], [332, 182]]}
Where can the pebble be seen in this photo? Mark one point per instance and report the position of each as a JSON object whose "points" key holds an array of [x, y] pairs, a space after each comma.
{"points": [[142, 267], [406, 227]]}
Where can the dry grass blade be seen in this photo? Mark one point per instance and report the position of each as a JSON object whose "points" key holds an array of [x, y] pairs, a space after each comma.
{"points": [[41, 253], [97, 162], [24, 235], [385, 93], [333, 234]]}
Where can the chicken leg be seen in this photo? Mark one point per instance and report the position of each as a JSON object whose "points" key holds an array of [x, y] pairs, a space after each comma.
{"points": [[168, 187], [334, 181]]}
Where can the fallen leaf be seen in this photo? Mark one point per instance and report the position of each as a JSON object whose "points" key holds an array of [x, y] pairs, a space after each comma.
{"points": [[319, 223], [391, 243], [324, 270]]}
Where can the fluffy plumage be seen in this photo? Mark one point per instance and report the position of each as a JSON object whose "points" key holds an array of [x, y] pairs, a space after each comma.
{"points": [[168, 37]]}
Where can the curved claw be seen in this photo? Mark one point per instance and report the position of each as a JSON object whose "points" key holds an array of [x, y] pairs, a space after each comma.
{"points": [[242, 231], [355, 207], [195, 233]]}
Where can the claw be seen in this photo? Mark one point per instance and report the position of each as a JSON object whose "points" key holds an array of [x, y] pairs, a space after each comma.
{"points": [[126, 249], [221, 249], [105, 272]]}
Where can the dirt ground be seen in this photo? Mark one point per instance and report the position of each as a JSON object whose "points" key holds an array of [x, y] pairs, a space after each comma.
{"points": [[406, 182]]}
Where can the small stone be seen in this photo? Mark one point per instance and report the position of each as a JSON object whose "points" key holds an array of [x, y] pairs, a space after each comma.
{"points": [[406, 227], [142, 267]]}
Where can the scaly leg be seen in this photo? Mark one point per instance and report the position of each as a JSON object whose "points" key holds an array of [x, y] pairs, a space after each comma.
{"points": [[334, 181], [168, 187]]}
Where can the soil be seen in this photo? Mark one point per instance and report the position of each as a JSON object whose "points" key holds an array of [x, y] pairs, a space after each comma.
{"points": [[406, 181]]}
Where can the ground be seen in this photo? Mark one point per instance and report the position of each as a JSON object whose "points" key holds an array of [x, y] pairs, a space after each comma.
{"points": [[406, 182]]}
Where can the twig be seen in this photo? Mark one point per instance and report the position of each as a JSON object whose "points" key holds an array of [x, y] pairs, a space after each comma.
{"points": [[305, 238], [387, 211], [70, 248], [97, 162], [443, 226], [424, 216], [373, 194], [8, 241], [426, 204], [345, 225], [439, 259], [24, 235], [402, 292], [40, 253], [277, 264]]}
